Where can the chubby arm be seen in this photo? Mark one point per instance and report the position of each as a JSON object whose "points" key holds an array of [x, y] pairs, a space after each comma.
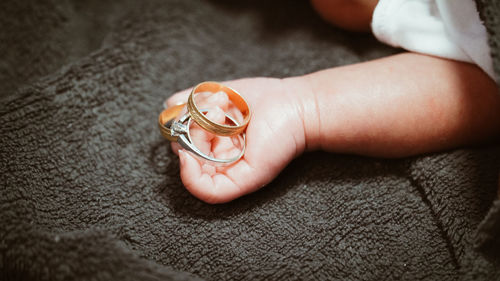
{"points": [[399, 106]]}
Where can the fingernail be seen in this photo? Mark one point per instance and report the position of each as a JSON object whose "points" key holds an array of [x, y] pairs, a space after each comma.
{"points": [[172, 102], [182, 156], [216, 114]]}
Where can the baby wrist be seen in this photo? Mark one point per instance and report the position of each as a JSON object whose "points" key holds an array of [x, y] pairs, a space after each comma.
{"points": [[307, 109]]}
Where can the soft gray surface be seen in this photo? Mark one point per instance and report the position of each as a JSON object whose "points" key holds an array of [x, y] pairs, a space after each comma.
{"points": [[90, 190]]}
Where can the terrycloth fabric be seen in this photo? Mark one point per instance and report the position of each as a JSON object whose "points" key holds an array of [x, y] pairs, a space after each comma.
{"points": [[90, 190], [489, 12]]}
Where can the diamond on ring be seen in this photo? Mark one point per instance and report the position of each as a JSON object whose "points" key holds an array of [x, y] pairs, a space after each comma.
{"points": [[178, 129]]}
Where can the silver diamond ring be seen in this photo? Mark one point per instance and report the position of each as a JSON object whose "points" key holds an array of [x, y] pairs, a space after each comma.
{"points": [[180, 130]]}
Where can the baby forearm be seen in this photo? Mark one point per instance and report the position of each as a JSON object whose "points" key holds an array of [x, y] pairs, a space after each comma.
{"points": [[398, 106]]}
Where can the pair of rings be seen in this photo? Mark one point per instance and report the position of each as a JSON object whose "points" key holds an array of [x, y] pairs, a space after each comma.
{"points": [[178, 130]]}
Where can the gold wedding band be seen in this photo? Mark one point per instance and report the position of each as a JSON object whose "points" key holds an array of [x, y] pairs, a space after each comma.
{"points": [[165, 118], [178, 131], [213, 127]]}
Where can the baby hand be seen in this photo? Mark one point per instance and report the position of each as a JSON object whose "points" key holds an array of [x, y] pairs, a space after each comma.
{"points": [[274, 136]]}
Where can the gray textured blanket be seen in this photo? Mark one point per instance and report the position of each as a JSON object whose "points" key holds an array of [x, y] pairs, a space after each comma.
{"points": [[90, 191]]}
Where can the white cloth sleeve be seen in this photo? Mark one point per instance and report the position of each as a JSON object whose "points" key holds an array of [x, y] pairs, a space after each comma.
{"points": [[443, 28]]}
